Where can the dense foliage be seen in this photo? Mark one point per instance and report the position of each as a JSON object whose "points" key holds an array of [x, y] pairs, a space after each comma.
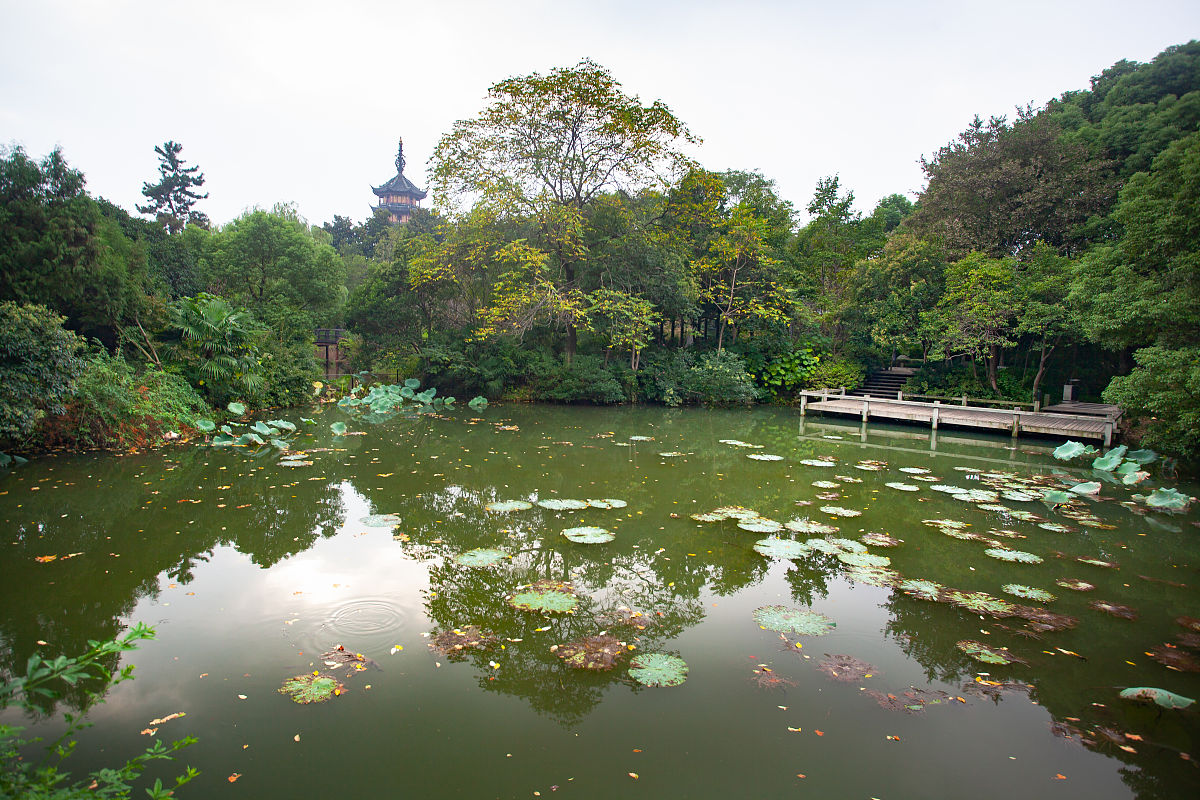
{"points": [[578, 256]]}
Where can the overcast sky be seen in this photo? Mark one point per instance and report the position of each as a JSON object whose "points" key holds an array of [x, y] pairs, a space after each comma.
{"points": [[304, 101]]}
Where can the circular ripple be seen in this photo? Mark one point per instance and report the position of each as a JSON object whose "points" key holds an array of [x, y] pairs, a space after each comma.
{"points": [[365, 616]]}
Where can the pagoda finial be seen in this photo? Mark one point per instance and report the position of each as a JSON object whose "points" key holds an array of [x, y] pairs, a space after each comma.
{"points": [[400, 158]]}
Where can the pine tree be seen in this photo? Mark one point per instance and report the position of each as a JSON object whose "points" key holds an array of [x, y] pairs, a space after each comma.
{"points": [[172, 198]]}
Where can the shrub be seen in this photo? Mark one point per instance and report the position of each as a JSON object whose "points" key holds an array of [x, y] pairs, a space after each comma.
{"points": [[114, 404], [719, 378], [39, 361], [784, 372], [833, 372], [586, 380], [1162, 393]]}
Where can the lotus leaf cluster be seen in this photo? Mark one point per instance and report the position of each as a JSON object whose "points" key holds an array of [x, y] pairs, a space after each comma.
{"points": [[922, 589], [1016, 556], [809, 526], [979, 602], [546, 596], [1028, 592], [481, 557], [987, 654], [589, 534], [311, 688]]}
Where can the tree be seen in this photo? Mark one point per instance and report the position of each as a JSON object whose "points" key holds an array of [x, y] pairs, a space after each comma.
{"points": [[978, 309], [558, 139], [39, 362], [624, 320], [901, 288], [1043, 287], [172, 198]]}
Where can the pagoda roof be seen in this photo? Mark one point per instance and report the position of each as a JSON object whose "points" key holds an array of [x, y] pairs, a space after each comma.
{"points": [[400, 185]]}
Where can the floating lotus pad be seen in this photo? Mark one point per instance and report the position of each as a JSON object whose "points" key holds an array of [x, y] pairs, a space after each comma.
{"points": [[988, 655], [774, 547], [555, 504], [589, 534], [709, 516], [739, 443], [641, 438], [952, 524], [879, 539], [1075, 584], [903, 487], [507, 506], [760, 525], [481, 557], [996, 507], [1170, 499], [764, 457], [672, 454], [546, 596], [826, 484], [838, 511], [1028, 592], [864, 559], [1019, 497], [607, 502], [784, 619], [1070, 449], [1149, 694], [736, 512], [882, 577], [871, 465], [1056, 527], [311, 688], [594, 652], [847, 545], [846, 479], [915, 470], [1097, 562], [948, 489], [817, 462], [846, 669], [381, 520], [809, 526], [1006, 534], [1115, 609], [1017, 556], [979, 602], [922, 589], [658, 669]]}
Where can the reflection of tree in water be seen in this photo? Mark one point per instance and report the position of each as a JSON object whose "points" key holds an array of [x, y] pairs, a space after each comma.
{"points": [[132, 520]]}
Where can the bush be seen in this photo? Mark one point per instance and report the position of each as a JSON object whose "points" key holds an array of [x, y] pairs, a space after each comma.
{"points": [[784, 372], [115, 405], [39, 361], [1162, 392], [946, 380], [288, 369], [586, 380], [675, 377], [833, 372]]}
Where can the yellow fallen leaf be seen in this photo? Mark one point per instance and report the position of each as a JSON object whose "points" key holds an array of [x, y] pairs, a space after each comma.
{"points": [[633, 775], [296, 738]]}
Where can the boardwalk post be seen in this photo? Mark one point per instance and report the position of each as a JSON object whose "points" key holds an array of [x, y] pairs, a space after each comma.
{"points": [[936, 408], [1016, 428], [1108, 433], [964, 399], [900, 395], [843, 391], [803, 404], [866, 407]]}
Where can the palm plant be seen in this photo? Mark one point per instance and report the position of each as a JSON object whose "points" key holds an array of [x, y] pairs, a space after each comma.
{"points": [[214, 344]]}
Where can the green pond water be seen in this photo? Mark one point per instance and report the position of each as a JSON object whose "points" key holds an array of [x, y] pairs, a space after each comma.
{"points": [[250, 571]]}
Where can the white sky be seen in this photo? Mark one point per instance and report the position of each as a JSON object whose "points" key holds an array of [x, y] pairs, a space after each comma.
{"points": [[304, 101]]}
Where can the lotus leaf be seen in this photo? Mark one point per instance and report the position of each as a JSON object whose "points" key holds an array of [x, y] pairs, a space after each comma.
{"points": [[847, 479], [1116, 609], [979, 602], [279, 444], [478, 403], [1018, 556], [847, 545], [1028, 592], [607, 502], [996, 507], [903, 487], [1055, 527], [311, 688], [672, 454], [1075, 584], [263, 429], [986, 654], [784, 619], [237, 409], [879, 539], [1086, 488], [1142, 456], [921, 588], [594, 652], [453, 642], [846, 669], [764, 457], [826, 484], [952, 524], [709, 516], [736, 512], [1109, 461], [546, 596], [774, 547], [873, 576], [809, 526], [1097, 562], [589, 535], [1172, 657], [838, 511], [1149, 694], [556, 504], [1171, 499], [1019, 497], [760, 525], [948, 489], [1072, 449], [915, 470], [1025, 516], [381, 520], [481, 557], [658, 669], [249, 438], [205, 425], [222, 440], [1041, 620], [817, 462], [338, 428], [507, 506], [864, 559]]}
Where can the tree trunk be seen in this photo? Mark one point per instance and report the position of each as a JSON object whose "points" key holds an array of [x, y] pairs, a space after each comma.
{"points": [[993, 360], [720, 334], [1041, 371]]}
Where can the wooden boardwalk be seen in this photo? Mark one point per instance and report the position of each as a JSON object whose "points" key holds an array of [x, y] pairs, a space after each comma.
{"points": [[935, 414]]}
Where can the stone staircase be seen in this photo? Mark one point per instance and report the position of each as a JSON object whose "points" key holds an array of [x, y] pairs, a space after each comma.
{"points": [[883, 383]]}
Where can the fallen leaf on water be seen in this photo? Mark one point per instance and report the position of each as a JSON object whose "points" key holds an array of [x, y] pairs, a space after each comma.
{"points": [[801, 775], [1060, 777], [45, 559], [636, 750], [1127, 748], [234, 777], [296, 738], [794, 730], [633, 775], [819, 733], [41, 643], [167, 718], [1133, 737], [148, 731], [241, 697], [893, 738]]}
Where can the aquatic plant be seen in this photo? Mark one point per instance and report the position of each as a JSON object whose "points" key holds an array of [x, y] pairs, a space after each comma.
{"points": [[607, 503], [986, 654], [1075, 584], [915, 470], [452, 642], [773, 547], [1097, 562], [1172, 657], [547, 596], [557, 504], [921, 588], [1169, 499], [764, 457], [817, 462], [658, 669], [1070, 449], [979, 602], [594, 652], [760, 525], [1115, 609], [846, 669], [1028, 592], [311, 688], [783, 619], [864, 559], [882, 577], [1017, 556], [589, 534], [381, 520], [481, 557], [903, 487], [838, 511], [809, 526], [508, 506], [1161, 697], [1043, 620], [826, 484]]}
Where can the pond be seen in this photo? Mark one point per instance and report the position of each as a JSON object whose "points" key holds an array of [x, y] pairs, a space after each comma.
{"points": [[253, 572]]}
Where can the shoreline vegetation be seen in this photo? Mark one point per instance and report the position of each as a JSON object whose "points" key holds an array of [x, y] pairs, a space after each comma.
{"points": [[601, 265]]}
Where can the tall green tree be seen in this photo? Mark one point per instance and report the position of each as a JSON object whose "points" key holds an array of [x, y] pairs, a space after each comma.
{"points": [[171, 199], [978, 310], [901, 289], [558, 139]]}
